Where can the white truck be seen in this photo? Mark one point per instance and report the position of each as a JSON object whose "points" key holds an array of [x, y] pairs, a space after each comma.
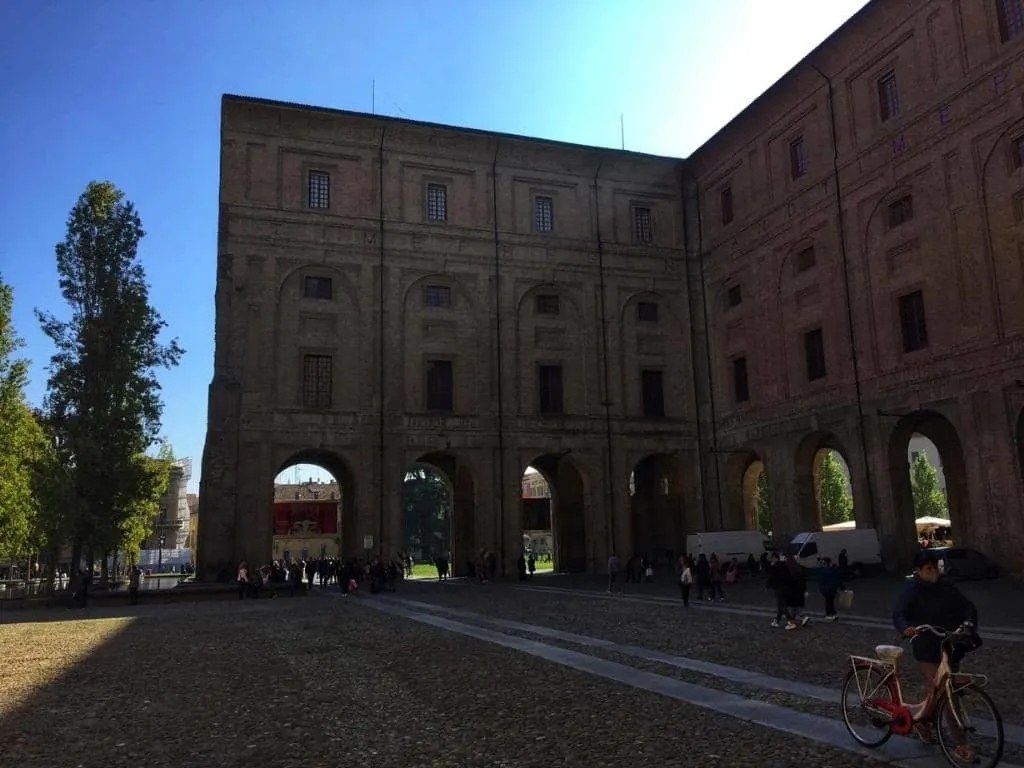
{"points": [[863, 550], [727, 545]]}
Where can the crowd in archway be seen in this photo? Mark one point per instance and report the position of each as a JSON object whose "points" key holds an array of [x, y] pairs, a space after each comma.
{"points": [[299, 576]]}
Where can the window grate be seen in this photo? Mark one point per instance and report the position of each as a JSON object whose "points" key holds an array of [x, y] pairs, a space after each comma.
{"points": [[642, 224], [647, 312], [319, 189], [544, 214], [1011, 19], [547, 304], [726, 204], [316, 287], [437, 202], [901, 211], [652, 393], [814, 349], [734, 296], [317, 381], [440, 388], [797, 159], [913, 326], [549, 386], [805, 259], [888, 96], [740, 384], [437, 296]]}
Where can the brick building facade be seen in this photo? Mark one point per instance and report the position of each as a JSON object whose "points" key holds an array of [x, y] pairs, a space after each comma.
{"points": [[839, 267]]}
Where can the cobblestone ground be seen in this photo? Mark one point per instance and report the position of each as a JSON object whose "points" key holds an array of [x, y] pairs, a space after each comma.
{"points": [[326, 682]]}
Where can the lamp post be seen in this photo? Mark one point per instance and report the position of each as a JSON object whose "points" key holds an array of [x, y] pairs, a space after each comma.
{"points": [[160, 554]]}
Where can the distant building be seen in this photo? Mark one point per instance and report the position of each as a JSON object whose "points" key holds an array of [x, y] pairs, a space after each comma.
{"points": [[173, 517]]}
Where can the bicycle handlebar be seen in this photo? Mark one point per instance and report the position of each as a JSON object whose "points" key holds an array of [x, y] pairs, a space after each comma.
{"points": [[964, 629]]}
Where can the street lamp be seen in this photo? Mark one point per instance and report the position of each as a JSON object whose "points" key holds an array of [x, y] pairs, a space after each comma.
{"points": [[160, 554]]}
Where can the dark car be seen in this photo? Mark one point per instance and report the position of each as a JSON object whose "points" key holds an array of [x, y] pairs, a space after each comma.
{"points": [[961, 563]]}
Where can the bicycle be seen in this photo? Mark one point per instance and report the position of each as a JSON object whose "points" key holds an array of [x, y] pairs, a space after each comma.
{"points": [[876, 683]]}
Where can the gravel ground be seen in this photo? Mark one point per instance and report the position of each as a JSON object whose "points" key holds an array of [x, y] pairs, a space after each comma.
{"points": [[324, 683], [816, 655]]}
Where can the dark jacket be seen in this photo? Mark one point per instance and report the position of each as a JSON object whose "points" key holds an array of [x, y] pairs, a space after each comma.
{"points": [[830, 579], [779, 579], [796, 596], [940, 604]]}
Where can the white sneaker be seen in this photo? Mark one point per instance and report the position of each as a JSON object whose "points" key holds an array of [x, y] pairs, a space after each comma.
{"points": [[774, 622], [790, 625], [805, 621], [833, 617]]}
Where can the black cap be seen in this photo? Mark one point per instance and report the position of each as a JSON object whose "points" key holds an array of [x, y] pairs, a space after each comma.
{"points": [[925, 557]]}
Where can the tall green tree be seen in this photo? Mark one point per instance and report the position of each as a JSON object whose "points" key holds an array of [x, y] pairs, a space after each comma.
{"points": [[834, 495], [21, 440], [427, 499], [103, 397], [929, 500], [763, 503]]}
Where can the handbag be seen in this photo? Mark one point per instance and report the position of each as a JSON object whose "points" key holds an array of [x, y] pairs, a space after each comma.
{"points": [[845, 600], [650, 572]]}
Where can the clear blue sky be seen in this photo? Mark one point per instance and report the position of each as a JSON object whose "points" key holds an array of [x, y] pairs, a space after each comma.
{"points": [[130, 91]]}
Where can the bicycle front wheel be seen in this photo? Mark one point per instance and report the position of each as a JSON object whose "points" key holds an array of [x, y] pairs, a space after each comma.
{"points": [[970, 728], [860, 687]]}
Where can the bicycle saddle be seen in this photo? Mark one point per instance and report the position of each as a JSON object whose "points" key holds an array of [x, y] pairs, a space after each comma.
{"points": [[888, 652]]}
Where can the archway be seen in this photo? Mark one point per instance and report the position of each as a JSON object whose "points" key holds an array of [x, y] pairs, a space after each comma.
{"points": [[925, 454], [537, 530], [757, 500], [570, 550], [461, 511], [656, 508], [313, 508], [427, 514], [824, 493], [746, 494]]}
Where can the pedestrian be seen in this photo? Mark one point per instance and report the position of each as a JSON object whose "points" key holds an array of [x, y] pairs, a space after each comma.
{"points": [[133, 584], [242, 579], [703, 576], [613, 572], [830, 581], [796, 596], [715, 577], [686, 582], [778, 584]]}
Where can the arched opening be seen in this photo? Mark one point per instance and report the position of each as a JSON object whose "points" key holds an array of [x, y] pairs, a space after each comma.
{"points": [[657, 510], [570, 550], [313, 512], [1019, 435], [427, 500], [824, 493], [929, 478], [757, 499], [441, 489], [537, 531]]}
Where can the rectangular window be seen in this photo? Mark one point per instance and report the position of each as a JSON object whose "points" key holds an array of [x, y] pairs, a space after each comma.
{"points": [[735, 296], [437, 202], [549, 389], [439, 386], [437, 296], [544, 214], [797, 161], [319, 189], [642, 224], [740, 385], [314, 287], [1011, 19], [652, 393], [547, 304], [805, 259], [726, 201], [912, 322], [901, 211], [888, 96], [1018, 152], [317, 381], [647, 312], [814, 350]]}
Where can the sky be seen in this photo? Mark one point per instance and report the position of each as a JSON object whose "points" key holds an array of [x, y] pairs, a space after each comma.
{"points": [[130, 92]]}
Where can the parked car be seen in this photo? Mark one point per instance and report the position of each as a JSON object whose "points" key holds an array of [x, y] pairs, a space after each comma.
{"points": [[961, 563]]}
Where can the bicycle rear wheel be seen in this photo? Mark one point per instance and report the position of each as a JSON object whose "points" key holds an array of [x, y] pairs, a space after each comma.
{"points": [[970, 719], [859, 687]]}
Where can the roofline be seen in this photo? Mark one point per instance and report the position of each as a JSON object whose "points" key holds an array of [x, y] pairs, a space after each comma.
{"points": [[238, 98], [805, 63]]}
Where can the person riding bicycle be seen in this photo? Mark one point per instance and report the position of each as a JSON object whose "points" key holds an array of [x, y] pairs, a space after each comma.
{"points": [[930, 599]]}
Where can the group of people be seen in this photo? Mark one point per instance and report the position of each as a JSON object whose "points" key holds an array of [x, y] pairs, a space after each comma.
{"points": [[300, 575]]}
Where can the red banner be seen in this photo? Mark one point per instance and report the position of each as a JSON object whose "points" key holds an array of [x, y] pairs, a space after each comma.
{"points": [[305, 517]]}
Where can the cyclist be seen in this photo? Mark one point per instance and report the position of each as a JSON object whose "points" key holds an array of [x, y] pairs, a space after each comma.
{"points": [[929, 599]]}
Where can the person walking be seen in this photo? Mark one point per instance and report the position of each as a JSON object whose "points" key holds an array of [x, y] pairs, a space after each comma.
{"points": [[830, 581], [778, 584], [686, 582], [613, 572], [133, 584], [796, 596]]}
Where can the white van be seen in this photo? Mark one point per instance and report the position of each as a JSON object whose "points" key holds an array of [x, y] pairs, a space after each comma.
{"points": [[727, 545], [863, 549]]}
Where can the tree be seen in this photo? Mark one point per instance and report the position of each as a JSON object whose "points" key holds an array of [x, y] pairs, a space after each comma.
{"points": [[427, 500], [834, 495], [21, 437], [103, 396], [929, 500], [763, 503]]}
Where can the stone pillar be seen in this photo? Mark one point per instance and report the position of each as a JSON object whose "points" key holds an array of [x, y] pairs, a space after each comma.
{"points": [[215, 549]]}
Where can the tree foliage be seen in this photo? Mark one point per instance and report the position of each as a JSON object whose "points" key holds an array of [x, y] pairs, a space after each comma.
{"points": [[427, 499], [763, 503], [22, 441], [103, 398], [834, 494], [929, 500]]}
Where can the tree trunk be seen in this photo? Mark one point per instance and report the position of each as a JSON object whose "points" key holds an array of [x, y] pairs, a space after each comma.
{"points": [[76, 556]]}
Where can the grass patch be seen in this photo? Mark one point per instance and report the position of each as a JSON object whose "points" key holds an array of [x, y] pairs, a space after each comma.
{"points": [[428, 570]]}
